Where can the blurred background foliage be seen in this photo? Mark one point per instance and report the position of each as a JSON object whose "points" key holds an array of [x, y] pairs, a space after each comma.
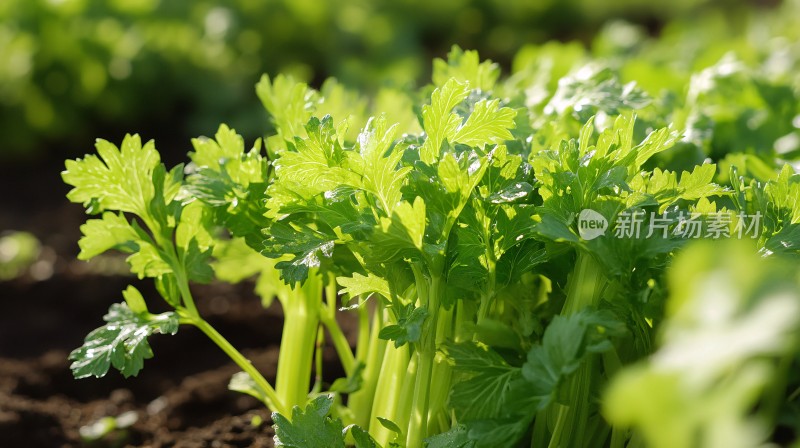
{"points": [[74, 70]]}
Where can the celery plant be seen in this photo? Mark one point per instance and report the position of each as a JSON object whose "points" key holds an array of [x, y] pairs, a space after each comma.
{"points": [[495, 253]]}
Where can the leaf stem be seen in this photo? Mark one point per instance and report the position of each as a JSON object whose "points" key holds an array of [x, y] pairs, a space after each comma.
{"points": [[340, 342], [272, 401], [318, 361], [584, 285], [426, 352], [388, 391], [583, 290], [442, 372], [301, 309], [361, 401], [186, 293]]}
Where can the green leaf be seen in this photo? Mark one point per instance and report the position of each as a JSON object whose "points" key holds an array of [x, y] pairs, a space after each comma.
{"points": [[381, 172], [565, 343], [239, 209], [316, 165], [211, 186], [785, 194], [226, 145], [507, 179], [134, 300], [592, 88], [485, 380], [390, 425], [513, 225], [344, 210], [362, 437], [163, 210], [167, 287], [453, 178], [290, 103], [352, 383], [666, 188], [438, 120], [305, 246], [309, 428], [112, 231], [359, 285], [467, 262], [787, 240], [197, 262], [131, 179], [493, 402], [149, 262], [194, 242], [122, 342], [446, 189], [456, 437], [465, 66], [560, 353], [496, 402], [656, 142], [487, 124], [235, 261], [500, 433], [408, 328], [242, 382], [120, 179], [222, 174], [519, 260], [554, 229], [348, 107], [699, 183], [405, 229]]}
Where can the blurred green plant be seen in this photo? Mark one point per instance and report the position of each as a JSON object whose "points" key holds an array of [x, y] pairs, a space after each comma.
{"points": [[18, 251], [74, 69], [109, 429], [720, 376]]}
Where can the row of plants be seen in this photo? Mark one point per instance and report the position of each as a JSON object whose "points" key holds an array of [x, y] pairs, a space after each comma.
{"points": [[520, 254], [72, 69]]}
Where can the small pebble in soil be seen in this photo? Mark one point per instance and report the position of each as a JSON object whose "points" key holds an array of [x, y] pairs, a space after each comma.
{"points": [[157, 405]]}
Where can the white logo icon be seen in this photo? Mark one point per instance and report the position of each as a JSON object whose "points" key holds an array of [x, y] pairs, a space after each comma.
{"points": [[591, 224]]}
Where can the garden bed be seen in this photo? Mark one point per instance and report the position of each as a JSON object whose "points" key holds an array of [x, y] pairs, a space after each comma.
{"points": [[180, 399]]}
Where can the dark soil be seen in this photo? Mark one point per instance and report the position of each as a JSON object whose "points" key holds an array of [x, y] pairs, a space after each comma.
{"points": [[180, 399]]}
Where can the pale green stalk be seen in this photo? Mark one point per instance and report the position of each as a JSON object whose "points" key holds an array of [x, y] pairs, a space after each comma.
{"points": [[360, 402], [301, 309], [388, 394], [583, 290]]}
